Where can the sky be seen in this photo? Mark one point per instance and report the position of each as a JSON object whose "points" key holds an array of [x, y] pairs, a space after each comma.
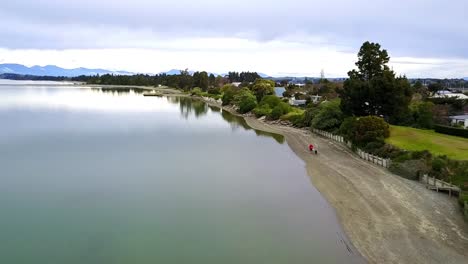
{"points": [[424, 38]]}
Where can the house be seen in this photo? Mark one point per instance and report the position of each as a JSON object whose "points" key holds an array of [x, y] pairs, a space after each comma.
{"points": [[449, 94], [296, 102], [460, 120], [315, 98], [236, 84], [279, 91]]}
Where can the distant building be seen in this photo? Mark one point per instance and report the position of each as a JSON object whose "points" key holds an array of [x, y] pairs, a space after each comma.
{"points": [[460, 120], [279, 91], [296, 102], [315, 98], [236, 84], [449, 94]]}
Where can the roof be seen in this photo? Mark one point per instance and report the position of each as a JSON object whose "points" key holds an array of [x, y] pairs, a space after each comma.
{"points": [[448, 94], [279, 91], [460, 117]]}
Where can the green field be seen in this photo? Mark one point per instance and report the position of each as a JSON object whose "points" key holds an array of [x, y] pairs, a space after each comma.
{"points": [[439, 144]]}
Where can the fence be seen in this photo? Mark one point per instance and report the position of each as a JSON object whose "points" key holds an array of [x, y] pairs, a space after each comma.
{"points": [[438, 185], [374, 159], [363, 155], [329, 135]]}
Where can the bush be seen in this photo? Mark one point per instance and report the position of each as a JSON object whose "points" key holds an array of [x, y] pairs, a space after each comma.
{"points": [[245, 100], [228, 96], [439, 163], [295, 117], [262, 110], [214, 90], [309, 115], [423, 114], [329, 116], [459, 132], [347, 128], [271, 101], [196, 91], [410, 169], [372, 147], [279, 110], [370, 129]]}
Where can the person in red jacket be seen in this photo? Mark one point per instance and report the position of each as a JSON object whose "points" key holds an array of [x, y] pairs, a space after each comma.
{"points": [[312, 149]]}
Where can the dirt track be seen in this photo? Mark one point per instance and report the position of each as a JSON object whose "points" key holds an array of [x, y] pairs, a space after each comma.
{"points": [[388, 219]]}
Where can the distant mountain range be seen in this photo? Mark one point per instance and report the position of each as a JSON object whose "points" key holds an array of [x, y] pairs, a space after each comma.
{"points": [[55, 71], [465, 78], [51, 70]]}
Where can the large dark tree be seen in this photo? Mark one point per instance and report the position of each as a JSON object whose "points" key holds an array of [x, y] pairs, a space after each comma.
{"points": [[204, 82], [373, 89]]}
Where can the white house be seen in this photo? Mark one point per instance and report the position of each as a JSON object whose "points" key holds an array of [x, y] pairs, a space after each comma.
{"points": [[315, 98], [449, 94], [460, 120], [236, 84], [296, 102]]}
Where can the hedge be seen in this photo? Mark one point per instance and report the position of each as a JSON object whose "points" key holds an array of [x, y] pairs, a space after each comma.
{"points": [[454, 131]]}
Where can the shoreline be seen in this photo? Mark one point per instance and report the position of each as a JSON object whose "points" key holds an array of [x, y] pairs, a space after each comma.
{"points": [[387, 218]]}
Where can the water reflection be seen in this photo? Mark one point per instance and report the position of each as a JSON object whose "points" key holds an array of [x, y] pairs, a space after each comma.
{"points": [[188, 106], [199, 108], [237, 122]]}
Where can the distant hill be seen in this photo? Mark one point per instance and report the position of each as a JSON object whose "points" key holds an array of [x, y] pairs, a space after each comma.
{"points": [[465, 78], [51, 70]]}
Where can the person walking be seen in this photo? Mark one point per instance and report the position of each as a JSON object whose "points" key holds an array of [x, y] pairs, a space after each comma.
{"points": [[312, 148]]}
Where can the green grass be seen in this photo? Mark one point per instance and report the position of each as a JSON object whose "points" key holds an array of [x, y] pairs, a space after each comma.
{"points": [[438, 144]]}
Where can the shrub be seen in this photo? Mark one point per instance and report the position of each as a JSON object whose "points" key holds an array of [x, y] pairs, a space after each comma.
{"points": [[369, 129], [409, 169], [459, 132], [439, 163], [295, 117], [196, 91], [262, 110], [229, 94], [214, 90], [423, 114], [372, 147], [270, 100], [347, 128], [279, 110], [309, 115], [262, 87], [245, 100], [329, 117]]}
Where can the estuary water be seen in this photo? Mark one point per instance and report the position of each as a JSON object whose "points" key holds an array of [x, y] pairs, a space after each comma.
{"points": [[91, 175]]}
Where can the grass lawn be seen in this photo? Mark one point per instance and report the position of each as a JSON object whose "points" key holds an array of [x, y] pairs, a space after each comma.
{"points": [[439, 144]]}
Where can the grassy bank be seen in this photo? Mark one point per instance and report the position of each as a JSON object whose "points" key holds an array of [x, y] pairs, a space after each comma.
{"points": [[438, 144]]}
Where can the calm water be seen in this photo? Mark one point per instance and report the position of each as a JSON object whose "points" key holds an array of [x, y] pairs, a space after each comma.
{"points": [[98, 176]]}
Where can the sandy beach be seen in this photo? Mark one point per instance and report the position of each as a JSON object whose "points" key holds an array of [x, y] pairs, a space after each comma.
{"points": [[389, 219]]}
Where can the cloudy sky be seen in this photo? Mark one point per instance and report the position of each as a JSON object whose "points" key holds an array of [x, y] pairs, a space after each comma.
{"points": [[293, 37]]}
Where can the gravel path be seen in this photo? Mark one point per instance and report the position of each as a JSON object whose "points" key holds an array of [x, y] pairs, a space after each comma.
{"points": [[388, 219]]}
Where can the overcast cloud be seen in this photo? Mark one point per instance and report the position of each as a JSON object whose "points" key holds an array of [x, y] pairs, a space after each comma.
{"points": [[277, 37]]}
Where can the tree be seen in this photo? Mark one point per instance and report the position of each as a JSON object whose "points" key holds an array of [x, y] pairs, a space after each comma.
{"points": [[329, 116], [228, 94], [245, 100], [369, 129], [435, 87], [204, 82], [263, 87], [423, 114], [373, 89], [212, 80]]}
